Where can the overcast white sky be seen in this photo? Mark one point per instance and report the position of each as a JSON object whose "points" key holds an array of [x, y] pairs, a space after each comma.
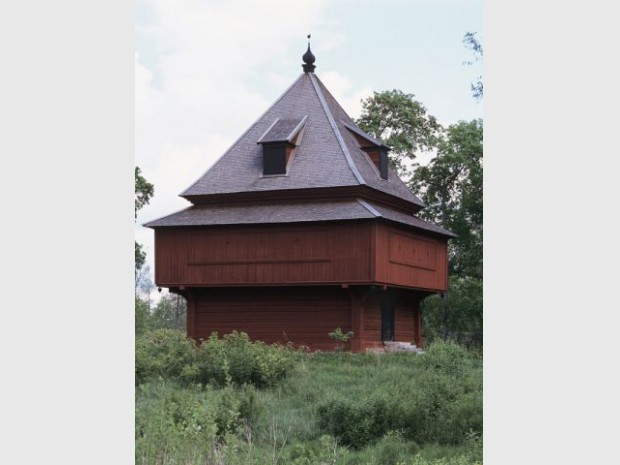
{"points": [[205, 70]]}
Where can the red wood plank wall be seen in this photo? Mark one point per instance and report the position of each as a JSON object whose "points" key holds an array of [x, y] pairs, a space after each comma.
{"points": [[301, 315], [404, 323], [300, 254], [290, 254], [405, 258], [372, 323]]}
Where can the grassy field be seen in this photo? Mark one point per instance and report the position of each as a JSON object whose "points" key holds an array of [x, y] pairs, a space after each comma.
{"points": [[236, 402]]}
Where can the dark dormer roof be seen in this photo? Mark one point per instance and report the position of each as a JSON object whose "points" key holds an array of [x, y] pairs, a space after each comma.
{"points": [[328, 156], [283, 130], [367, 137]]}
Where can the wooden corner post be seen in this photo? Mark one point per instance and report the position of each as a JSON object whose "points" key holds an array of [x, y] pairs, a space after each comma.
{"points": [[358, 342], [417, 323]]}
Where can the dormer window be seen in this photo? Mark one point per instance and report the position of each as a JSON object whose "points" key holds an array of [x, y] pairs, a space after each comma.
{"points": [[378, 156], [279, 143], [375, 149]]}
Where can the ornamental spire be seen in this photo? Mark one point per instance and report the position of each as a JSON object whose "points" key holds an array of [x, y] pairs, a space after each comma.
{"points": [[309, 59]]}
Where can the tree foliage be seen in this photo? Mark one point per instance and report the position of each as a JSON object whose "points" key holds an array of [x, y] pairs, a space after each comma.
{"points": [[144, 190], [142, 316], [402, 123], [139, 259], [170, 312], [451, 187], [465, 318]]}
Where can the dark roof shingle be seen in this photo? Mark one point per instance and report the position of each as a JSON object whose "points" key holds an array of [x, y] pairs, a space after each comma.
{"points": [[328, 155], [292, 212]]}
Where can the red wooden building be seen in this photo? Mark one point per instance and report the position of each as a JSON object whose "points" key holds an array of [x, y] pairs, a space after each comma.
{"points": [[302, 227]]}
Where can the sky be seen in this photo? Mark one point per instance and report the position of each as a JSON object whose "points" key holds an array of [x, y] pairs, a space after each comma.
{"points": [[205, 70]]}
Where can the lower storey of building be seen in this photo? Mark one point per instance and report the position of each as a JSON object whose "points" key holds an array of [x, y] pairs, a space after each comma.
{"points": [[304, 316]]}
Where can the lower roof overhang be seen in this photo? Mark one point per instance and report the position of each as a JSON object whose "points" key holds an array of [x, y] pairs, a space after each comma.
{"points": [[287, 212]]}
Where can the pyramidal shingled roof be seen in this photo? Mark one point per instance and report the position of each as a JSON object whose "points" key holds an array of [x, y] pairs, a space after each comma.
{"points": [[328, 154]]}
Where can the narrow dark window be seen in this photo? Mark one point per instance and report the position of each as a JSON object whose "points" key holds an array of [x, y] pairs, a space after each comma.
{"points": [[383, 164], [274, 158], [387, 320]]}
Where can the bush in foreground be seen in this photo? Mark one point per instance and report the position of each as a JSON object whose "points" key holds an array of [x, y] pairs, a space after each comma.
{"points": [[191, 424], [441, 404], [169, 354]]}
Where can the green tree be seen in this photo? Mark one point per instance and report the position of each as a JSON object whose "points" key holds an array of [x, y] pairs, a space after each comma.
{"points": [[464, 320], [170, 312], [451, 187], [144, 190], [143, 316], [403, 124]]}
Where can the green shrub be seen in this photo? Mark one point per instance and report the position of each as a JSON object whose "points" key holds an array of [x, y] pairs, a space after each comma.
{"points": [[227, 412], [323, 450], [463, 459], [163, 353], [392, 450], [189, 423], [340, 338], [446, 357], [233, 359], [174, 422], [250, 405], [431, 407], [355, 423]]}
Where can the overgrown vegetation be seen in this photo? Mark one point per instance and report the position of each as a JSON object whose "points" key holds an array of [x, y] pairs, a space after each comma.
{"points": [[230, 360], [169, 312], [233, 401]]}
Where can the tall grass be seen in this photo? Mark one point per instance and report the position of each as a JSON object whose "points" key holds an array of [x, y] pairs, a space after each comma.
{"points": [[337, 408]]}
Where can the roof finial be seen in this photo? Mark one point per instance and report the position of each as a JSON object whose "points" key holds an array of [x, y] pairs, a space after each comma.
{"points": [[309, 59]]}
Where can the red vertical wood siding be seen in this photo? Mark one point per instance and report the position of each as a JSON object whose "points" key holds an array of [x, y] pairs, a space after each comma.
{"points": [[404, 323], [358, 342], [336, 253], [289, 254], [372, 321], [410, 259], [303, 316], [418, 338]]}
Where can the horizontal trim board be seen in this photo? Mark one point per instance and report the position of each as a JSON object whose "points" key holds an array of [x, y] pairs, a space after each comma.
{"points": [[259, 261]]}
